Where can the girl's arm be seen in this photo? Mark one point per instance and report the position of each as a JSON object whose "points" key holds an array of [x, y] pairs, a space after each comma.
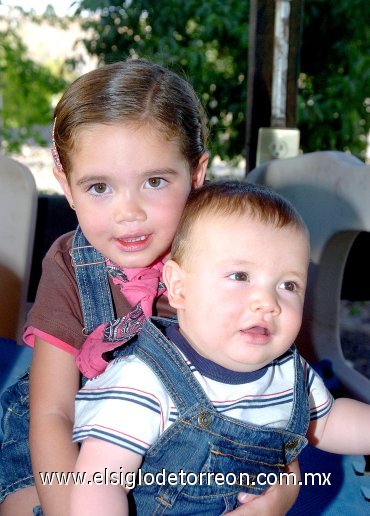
{"points": [[98, 459], [277, 500], [345, 429], [54, 381]]}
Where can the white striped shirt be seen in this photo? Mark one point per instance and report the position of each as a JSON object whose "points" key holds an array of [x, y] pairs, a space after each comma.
{"points": [[127, 405]]}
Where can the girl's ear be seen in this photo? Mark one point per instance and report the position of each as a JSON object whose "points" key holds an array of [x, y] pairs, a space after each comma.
{"points": [[62, 180], [200, 172], [174, 278]]}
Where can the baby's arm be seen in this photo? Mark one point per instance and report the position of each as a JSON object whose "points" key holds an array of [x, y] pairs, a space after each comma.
{"points": [[53, 385], [345, 429], [103, 498]]}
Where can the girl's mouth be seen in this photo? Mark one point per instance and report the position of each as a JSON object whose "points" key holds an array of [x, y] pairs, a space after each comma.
{"points": [[134, 243], [135, 239]]}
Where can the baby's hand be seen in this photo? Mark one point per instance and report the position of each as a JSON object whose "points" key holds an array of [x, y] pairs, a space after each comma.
{"points": [[276, 500], [261, 505]]}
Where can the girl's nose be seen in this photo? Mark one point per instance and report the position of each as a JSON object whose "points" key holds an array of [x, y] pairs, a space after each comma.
{"points": [[129, 209], [265, 302]]}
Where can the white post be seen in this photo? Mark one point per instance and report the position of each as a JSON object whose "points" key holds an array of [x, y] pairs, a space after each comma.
{"points": [[280, 63]]}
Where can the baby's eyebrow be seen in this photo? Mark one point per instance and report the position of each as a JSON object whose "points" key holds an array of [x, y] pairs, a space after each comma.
{"points": [[296, 276], [236, 262]]}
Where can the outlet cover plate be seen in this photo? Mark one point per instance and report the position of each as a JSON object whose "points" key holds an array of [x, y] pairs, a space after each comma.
{"points": [[276, 143]]}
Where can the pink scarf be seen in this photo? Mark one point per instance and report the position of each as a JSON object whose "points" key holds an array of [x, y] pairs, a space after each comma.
{"points": [[140, 286]]}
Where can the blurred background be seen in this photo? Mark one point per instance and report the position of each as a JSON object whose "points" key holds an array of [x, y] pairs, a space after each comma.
{"points": [[44, 48]]}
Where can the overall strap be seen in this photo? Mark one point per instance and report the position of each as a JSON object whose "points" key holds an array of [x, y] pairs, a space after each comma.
{"points": [[300, 415], [92, 281], [170, 367]]}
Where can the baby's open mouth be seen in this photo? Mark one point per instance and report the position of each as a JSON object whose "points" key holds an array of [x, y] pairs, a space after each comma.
{"points": [[257, 330]]}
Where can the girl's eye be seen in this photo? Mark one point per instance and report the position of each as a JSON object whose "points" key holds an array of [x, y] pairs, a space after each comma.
{"points": [[239, 276], [289, 285], [155, 182], [99, 189]]}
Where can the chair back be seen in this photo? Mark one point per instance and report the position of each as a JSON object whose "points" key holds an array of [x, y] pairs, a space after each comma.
{"points": [[18, 208], [331, 190]]}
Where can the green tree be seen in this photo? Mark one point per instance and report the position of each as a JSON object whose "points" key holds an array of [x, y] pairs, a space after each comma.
{"points": [[208, 41], [27, 89], [205, 42], [334, 100]]}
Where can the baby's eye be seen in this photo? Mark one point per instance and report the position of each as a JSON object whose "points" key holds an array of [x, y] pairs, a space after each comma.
{"points": [[155, 182], [239, 276], [99, 189], [289, 285]]}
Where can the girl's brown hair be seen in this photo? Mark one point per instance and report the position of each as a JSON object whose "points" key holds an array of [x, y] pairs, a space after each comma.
{"points": [[132, 91]]}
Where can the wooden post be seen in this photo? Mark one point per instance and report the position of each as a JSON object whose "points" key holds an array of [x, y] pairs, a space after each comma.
{"points": [[260, 66]]}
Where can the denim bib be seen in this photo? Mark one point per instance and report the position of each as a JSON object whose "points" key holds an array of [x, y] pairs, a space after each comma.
{"points": [[92, 281], [203, 441]]}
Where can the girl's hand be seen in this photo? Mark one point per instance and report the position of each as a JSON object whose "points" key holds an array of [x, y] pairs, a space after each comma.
{"points": [[276, 500]]}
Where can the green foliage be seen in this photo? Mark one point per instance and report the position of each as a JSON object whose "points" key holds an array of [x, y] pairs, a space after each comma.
{"points": [[27, 89], [204, 41], [207, 42], [334, 112]]}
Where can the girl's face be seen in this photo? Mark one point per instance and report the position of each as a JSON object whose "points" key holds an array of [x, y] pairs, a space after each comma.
{"points": [[129, 186]]}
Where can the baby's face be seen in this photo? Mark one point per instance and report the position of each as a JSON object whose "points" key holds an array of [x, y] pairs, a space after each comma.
{"points": [[244, 286]]}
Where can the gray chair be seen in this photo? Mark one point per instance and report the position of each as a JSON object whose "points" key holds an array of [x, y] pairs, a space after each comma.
{"points": [[18, 207], [331, 190]]}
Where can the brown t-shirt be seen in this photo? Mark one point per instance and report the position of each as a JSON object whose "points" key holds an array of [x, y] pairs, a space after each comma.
{"points": [[56, 311]]}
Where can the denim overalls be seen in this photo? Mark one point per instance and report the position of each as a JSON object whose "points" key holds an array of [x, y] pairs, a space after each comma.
{"points": [[203, 441], [97, 308]]}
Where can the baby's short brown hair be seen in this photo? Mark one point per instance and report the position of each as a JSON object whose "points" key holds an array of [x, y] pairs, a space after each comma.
{"points": [[233, 197]]}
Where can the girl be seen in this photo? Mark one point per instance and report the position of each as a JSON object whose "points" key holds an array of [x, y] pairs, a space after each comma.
{"points": [[129, 144]]}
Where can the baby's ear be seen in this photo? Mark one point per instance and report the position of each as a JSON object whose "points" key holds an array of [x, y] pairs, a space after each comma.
{"points": [[173, 276]]}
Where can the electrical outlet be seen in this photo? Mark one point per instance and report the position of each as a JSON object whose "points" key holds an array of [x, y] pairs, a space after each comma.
{"points": [[276, 143]]}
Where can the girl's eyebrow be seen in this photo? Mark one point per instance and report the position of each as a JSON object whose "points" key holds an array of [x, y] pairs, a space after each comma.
{"points": [[92, 179], [146, 174], [160, 172]]}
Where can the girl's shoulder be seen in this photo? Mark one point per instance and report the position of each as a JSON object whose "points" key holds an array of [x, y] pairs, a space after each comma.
{"points": [[57, 260], [56, 310]]}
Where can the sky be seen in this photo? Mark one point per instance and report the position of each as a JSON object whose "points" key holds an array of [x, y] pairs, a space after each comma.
{"points": [[61, 7]]}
